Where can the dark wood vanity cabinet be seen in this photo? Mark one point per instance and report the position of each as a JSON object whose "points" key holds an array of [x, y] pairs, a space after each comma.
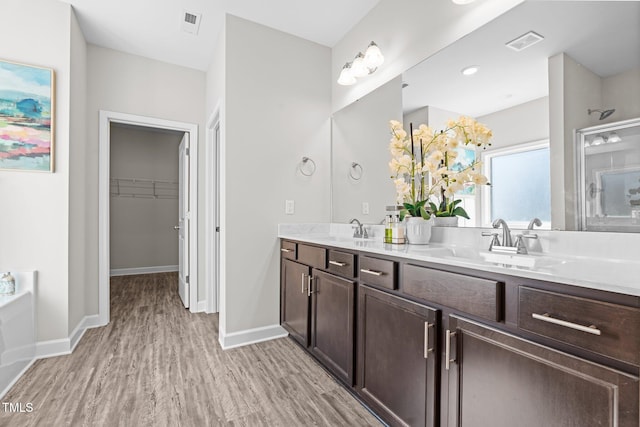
{"points": [[496, 379], [425, 346], [318, 308], [333, 323], [294, 300], [398, 356]]}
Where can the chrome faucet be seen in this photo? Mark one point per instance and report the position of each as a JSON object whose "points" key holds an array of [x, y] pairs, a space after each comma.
{"points": [[506, 233], [358, 230]]}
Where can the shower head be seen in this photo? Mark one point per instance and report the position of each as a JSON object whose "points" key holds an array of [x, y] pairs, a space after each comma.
{"points": [[603, 113]]}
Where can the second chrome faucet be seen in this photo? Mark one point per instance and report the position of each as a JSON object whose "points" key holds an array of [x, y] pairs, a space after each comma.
{"points": [[507, 244]]}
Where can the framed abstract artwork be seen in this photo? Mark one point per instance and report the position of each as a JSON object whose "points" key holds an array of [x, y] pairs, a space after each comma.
{"points": [[26, 117]]}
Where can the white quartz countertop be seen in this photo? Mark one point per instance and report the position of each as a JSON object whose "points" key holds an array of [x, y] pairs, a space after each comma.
{"points": [[613, 275]]}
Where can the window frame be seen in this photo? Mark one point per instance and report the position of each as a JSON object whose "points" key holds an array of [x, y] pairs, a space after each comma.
{"points": [[485, 193]]}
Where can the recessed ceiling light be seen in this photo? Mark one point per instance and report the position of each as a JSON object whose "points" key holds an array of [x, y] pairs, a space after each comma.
{"points": [[463, 1], [470, 70]]}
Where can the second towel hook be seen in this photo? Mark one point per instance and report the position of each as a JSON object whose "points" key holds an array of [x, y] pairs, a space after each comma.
{"points": [[307, 166], [355, 171]]}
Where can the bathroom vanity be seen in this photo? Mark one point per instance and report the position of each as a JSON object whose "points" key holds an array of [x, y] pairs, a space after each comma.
{"points": [[437, 336]]}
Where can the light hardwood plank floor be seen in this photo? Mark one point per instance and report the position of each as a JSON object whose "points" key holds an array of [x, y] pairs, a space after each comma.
{"points": [[157, 364]]}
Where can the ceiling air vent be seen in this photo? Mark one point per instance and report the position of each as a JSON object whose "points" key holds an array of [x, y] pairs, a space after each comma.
{"points": [[524, 41], [190, 22]]}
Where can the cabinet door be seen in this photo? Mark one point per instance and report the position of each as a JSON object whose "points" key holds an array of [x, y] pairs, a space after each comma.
{"points": [[396, 357], [294, 304], [499, 380], [332, 325]]}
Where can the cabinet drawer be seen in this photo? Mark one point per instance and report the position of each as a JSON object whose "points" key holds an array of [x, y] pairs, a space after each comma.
{"points": [[379, 272], [288, 249], [312, 255], [604, 328], [472, 295], [342, 263]]}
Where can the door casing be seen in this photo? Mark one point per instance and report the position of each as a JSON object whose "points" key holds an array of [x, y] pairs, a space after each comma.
{"points": [[106, 118]]}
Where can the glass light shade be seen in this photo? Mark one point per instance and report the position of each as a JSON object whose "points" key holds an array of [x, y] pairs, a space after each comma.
{"points": [[614, 137], [346, 76], [358, 67], [597, 140], [373, 56]]}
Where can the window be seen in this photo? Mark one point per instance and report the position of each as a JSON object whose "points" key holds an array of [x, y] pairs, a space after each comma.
{"points": [[520, 185]]}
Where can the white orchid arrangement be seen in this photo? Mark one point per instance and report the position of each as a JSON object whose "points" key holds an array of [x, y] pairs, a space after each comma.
{"points": [[424, 170]]}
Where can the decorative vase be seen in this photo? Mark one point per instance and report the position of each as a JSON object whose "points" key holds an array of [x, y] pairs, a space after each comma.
{"points": [[419, 230], [7, 284], [446, 221]]}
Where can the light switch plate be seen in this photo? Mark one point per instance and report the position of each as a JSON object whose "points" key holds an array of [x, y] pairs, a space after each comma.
{"points": [[289, 207]]}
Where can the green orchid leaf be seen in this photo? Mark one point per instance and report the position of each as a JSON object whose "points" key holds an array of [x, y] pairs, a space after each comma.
{"points": [[460, 212], [424, 214]]}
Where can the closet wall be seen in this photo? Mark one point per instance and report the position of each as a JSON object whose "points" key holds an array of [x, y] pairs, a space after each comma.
{"points": [[144, 199]]}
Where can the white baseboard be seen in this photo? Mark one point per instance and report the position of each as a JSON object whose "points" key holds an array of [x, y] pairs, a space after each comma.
{"points": [[15, 379], [52, 348], [251, 336], [143, 270], [201, 307]]}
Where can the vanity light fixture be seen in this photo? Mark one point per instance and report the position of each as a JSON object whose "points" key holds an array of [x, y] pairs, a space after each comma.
{"points": [[598, 140], [614, 137], [358, 66], [346, 76], [470, 70], [362, 65]]}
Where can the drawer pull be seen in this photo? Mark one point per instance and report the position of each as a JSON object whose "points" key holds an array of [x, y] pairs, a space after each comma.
{"points": [[372, 272], [447, 349], [310, 282], [286, 250], [427, 350], [547, 318], [338, 263]]}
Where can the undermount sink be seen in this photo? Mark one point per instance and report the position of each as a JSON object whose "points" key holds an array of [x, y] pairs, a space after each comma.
{"points": [[497, 258], [520, 260]]}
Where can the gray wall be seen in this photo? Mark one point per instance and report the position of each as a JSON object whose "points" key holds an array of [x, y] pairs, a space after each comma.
{"points": [[361, 134], [134, 85], [273, 118], [141, 231], [35, 223]]}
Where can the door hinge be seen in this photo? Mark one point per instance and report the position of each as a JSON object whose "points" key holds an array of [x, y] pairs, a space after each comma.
{"points": [[186, 279], [187, 151]]}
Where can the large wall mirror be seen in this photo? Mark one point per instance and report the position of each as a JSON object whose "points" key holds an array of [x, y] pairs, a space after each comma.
{"points": [[545, 69]]}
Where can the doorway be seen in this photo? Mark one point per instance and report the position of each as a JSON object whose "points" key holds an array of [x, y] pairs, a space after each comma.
{"points": [[107, 118]]}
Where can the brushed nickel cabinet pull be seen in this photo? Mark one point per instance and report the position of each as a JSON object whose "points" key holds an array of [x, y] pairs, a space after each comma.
{"points": [[447, 349], [309, 283], [286, 250], [427, 350], [338, 263], [546, 317], [303, 282], [375, 273]]}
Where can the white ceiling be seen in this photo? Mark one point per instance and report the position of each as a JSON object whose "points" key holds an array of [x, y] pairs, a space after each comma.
{"points": [[151, 28], [603, 36]]}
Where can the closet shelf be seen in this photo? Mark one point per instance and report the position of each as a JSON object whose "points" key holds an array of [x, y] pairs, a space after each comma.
{"points": [[143, 188]]}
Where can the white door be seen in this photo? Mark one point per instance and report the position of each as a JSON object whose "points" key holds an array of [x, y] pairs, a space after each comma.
{"points": [[183, 220]]}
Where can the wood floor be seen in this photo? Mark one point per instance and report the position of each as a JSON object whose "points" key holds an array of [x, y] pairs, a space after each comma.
{"points": [[157, 364]]}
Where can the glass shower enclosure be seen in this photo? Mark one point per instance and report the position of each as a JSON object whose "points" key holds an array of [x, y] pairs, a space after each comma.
{"points": [[608, 169]]}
